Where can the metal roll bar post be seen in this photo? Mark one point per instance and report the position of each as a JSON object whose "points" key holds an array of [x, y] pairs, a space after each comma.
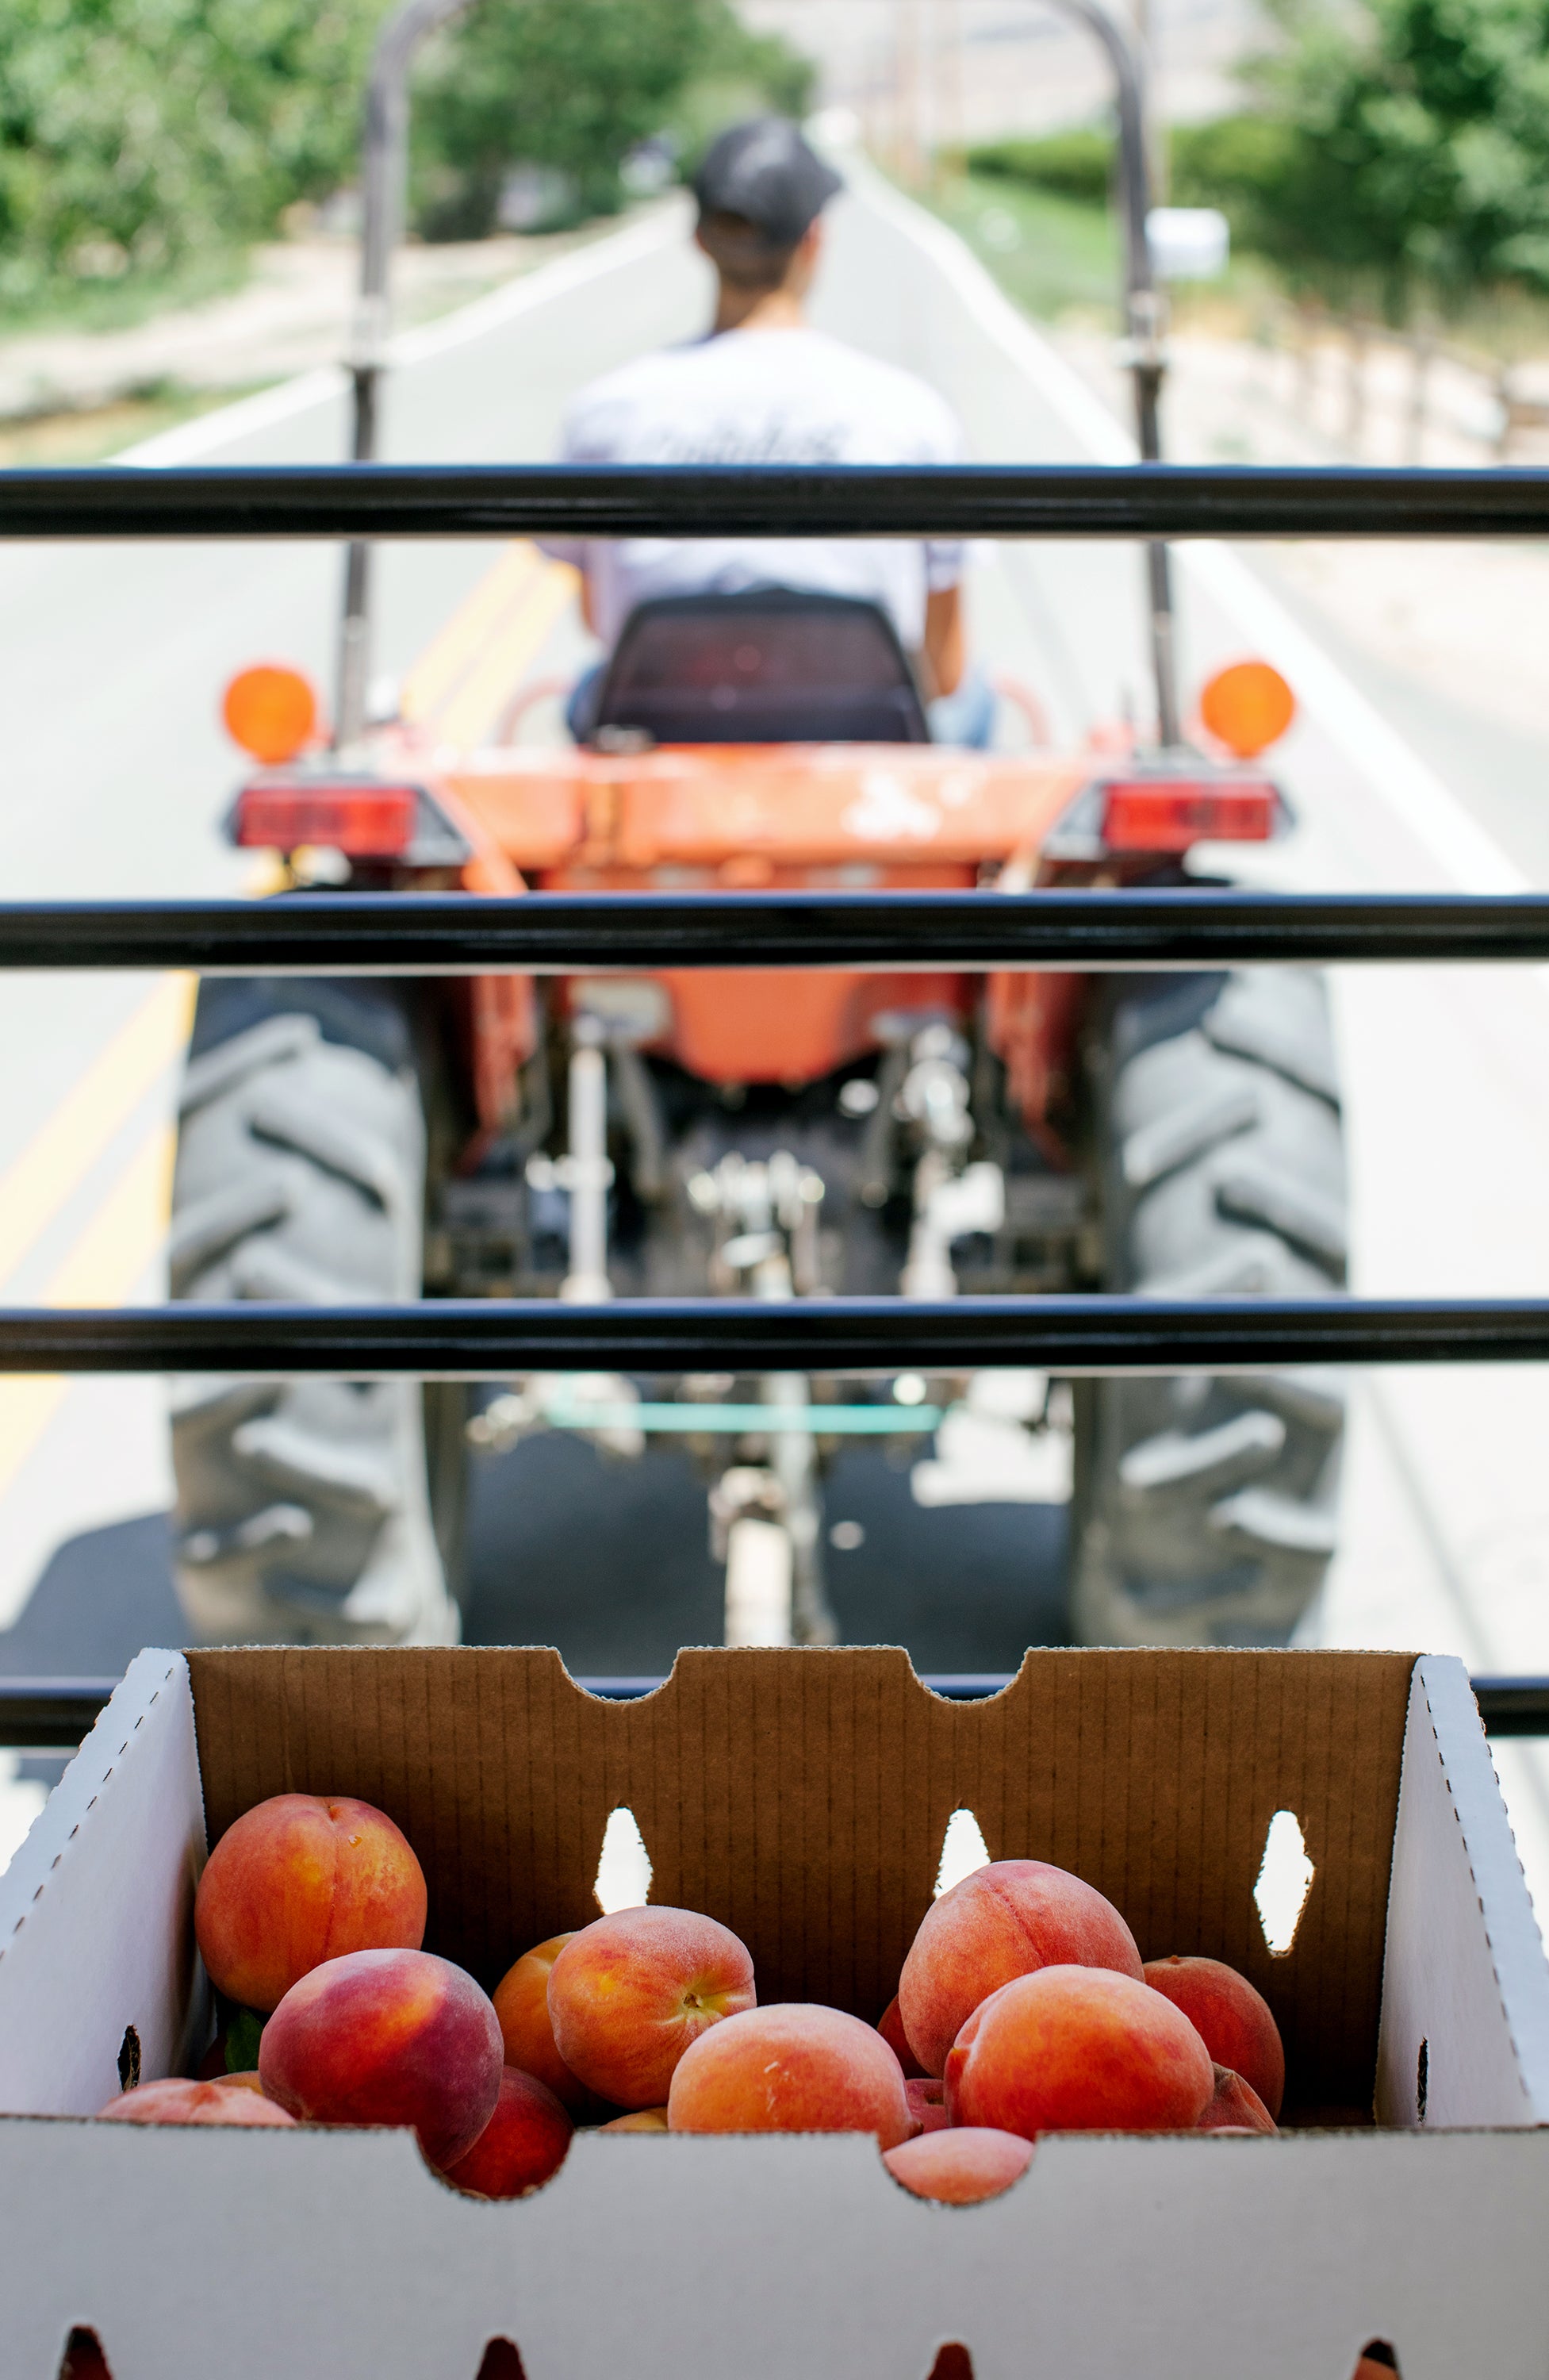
{"points": [[385, 151], [383, 166], [1144, 323]]}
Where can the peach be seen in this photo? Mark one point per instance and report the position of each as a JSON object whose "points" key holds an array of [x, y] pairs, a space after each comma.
{"points": [[1232, 2020], [1006, 1920], [191, 2103], [296, 1880], [957, 2059], [889, 2024], [388, 2037], [521, 2005], [639, 2119], [1074, 2050], [522, 2144], [628, 1994], [791, 2068], [960, 2167], [1235, 2106], [926, 2102]]}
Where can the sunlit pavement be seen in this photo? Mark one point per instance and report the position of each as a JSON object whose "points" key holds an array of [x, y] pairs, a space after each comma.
{"points": [[119, 774]]}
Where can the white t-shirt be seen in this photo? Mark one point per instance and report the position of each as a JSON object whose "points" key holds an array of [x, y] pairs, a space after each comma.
{"points": [[761, 396]]}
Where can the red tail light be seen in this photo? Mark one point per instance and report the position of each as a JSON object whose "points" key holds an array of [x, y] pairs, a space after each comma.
{"points": [[363, 822], [1171, 813]]}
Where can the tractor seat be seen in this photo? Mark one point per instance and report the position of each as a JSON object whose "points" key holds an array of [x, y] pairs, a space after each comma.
{"points": [[772, 665]]}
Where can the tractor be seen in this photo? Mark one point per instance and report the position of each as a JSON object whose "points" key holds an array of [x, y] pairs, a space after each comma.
{"points": [[773, 1133]]}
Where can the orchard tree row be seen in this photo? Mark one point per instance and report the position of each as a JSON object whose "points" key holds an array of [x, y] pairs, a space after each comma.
{"points": [[1395, 152], [141, 139]]}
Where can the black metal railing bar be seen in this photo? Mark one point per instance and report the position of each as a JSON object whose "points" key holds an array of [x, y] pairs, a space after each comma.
{"points": [[410, 499], [483, 1338], [450, 933]]}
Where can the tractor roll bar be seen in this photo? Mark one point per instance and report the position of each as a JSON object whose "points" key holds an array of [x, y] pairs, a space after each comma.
{"points": [[483, 1338], [53, 1715], [497, 500], [384, 156], [565, 933]]}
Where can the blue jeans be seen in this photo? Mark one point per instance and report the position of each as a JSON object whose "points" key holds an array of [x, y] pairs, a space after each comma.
{"points": [[966, 717], [581, 709]]}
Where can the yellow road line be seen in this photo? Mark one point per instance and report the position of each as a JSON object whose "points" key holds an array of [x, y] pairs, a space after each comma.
{"points": [[65, 1148], [461, 684], [101, 1269], [435, 674], [458, 686], [478, 701]]}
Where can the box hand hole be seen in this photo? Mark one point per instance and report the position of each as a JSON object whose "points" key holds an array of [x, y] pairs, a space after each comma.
{"points": [[1285, 1880], [963, 1853], [952, 2363], [83, 2358], [623, 1870], [501, 2360], [1421, 2082], [1375, 2361]]}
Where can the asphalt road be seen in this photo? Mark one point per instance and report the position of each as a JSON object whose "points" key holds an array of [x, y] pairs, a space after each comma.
{"points": [[152, 636], [117, 773]]}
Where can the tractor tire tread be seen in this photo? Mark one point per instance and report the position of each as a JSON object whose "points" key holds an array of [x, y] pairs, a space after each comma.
{"points": [[303, 1511], [1206, 1508]]}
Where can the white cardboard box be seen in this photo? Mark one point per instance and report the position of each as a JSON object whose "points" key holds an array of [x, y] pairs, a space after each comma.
{"points": [[807, 1793]]}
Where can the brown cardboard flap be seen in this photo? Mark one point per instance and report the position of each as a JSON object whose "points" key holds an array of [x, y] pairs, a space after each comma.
{"points": [[802, 1798]]}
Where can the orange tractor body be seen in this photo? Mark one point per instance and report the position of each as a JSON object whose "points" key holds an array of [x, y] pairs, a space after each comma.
{"points": [[733, 818]]}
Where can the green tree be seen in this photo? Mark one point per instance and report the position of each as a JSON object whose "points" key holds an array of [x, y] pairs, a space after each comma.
{"points": [[573, 86], [1415, 148], [139, 137], [138, 134]]}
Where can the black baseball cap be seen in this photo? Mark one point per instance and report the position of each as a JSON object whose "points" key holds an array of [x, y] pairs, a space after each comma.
{"points": [[765, 172]]}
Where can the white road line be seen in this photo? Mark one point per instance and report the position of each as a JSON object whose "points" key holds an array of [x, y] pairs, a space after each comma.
{"points": [[1427, 808], [249, 416]]}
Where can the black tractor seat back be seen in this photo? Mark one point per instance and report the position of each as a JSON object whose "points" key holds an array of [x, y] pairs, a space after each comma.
{"points": [[772, 665]]}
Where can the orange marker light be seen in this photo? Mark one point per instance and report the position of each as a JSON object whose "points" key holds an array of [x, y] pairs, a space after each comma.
{"points": [[270, 710], [1247, 707]]}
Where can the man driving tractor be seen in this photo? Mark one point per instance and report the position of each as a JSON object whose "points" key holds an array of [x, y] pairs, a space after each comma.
{"points": [[763, 386]]}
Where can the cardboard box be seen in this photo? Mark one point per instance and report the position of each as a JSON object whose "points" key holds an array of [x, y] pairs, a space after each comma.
{"points": [[802, 1797]]}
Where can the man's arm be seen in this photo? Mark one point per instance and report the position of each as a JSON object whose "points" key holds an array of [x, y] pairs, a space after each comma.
{"points": [[944, 655]]}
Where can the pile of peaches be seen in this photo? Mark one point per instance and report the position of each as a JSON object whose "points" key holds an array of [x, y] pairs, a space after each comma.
{"points": [[1023, 2007]]}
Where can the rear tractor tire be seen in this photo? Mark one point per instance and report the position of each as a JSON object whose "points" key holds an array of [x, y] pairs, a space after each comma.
{"points": [[1206, 1510], [308, 1511]]}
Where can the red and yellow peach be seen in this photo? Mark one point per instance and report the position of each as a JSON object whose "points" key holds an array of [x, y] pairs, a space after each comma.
{"points": [[629, 1995], [388, 2037], [524, 2142], [791, 2068], [889, 2024], [1004, 1921], [1235, 2106], [175, 2102], [960, 2167], [522, 2004], [299, 1880], [1081, 2049], [1234, 2022]]}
